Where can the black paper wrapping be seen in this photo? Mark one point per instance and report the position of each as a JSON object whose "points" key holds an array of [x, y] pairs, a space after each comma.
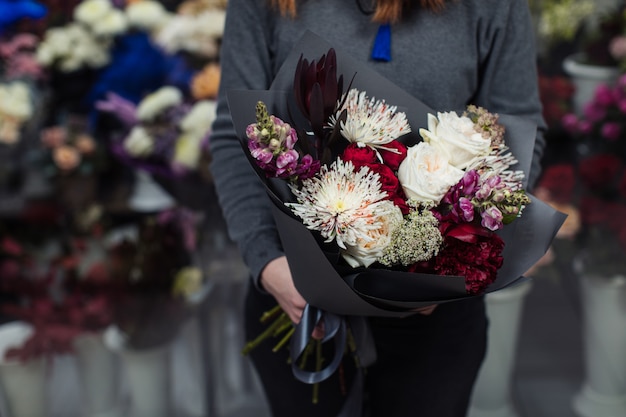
{"points": [[371, 291]]}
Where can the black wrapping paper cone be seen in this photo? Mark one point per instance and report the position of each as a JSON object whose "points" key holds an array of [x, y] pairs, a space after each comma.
{"points": [[381, 292]]}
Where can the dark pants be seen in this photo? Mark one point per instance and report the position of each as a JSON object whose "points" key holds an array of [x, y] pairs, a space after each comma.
{"points": [[426, 365]]}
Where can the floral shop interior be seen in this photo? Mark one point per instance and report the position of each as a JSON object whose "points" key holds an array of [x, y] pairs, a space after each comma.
{"points": [[106, 114]]}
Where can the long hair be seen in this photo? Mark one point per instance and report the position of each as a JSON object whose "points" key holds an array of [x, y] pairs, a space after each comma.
{"points": [[386, 11]]}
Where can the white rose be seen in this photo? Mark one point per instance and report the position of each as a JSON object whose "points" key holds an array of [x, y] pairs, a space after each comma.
{"points": [[456, 135], [160, 100], [139, 143], [369, 250], [91, 11], [426, 173]]}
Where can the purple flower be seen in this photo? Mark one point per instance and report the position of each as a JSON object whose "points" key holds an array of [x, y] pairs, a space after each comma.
{"points": [[611, 131], [604, 95], [466, 209], [570, 123], [491, 218], [287, 160], [594, 112]]}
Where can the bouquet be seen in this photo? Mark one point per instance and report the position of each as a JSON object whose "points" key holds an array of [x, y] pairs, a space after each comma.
{"points": [[600, 174], [377, 216]]}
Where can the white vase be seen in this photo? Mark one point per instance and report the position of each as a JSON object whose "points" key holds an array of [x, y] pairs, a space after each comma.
{"points": [[491, 396], [98, 370], [23, 383], [149, 374], [148, 195], [586, 79], [603, 393]]}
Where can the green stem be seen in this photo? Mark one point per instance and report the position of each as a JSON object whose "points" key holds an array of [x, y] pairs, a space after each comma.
{"points": [[270, 313], [280, 321], [318, 367], [284, 340]]}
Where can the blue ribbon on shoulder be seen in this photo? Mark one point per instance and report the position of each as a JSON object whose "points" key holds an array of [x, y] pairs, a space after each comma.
{"points": [[382, 44]]}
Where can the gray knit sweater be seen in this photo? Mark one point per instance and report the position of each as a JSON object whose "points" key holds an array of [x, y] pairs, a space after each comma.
{"points": [[474, 52]]}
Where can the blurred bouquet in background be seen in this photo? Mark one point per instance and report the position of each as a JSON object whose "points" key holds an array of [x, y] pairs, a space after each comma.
{"points": [[156, 280], [600, 137]]}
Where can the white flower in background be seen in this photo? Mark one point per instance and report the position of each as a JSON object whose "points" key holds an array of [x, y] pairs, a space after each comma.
{"points": [[196, 34], [112, 24], [456, 136], [72, 47], [426, 173], [187, 150], [89, 12], [388, 217], [560, 20], [56, 44], [200, 118], [160, 100], [15, 108], [341, 204], [370, 122], [195, 126], [139, 143], [147, 15]]}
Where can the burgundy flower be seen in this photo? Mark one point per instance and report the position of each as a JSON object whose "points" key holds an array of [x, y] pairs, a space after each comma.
{"points": [[599, 170], [559, 180], [393, 159], [469, 251]]}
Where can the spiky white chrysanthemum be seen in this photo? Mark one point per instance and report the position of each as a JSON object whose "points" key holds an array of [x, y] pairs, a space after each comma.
{"points": [[370, 122], [340, 203]]}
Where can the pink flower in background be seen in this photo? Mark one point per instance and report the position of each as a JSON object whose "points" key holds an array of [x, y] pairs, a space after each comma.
{"points": [[611, 130]]}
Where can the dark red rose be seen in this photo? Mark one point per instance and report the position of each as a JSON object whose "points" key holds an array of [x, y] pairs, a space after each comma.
{"points": [[359, 156], [388, 180], [622, 185], [593, 211], [393, 159], [599, 170], [559, 180], [390, 184]]}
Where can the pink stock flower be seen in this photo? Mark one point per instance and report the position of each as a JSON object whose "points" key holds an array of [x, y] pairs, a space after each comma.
{"points": [[611, 131]]}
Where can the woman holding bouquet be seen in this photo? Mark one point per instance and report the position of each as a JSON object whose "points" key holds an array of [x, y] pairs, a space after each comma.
{"points": [[446, 53]]}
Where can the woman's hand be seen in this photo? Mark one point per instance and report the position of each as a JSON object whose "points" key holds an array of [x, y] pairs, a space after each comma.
{"points": [[276, 279]]}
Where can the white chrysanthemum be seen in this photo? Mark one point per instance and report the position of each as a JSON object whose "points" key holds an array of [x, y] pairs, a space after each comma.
{"points": [[341, 204], [187, 150], [196, 34], [112, 24], [155, 103], [15, 100], [388, 217], [139, 143], [147, 15], [90, 12], [200, 117], [369, 121]]}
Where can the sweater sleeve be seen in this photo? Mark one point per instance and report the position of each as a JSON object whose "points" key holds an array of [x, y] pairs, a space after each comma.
{"points": [[246, 62], [508, 71]]}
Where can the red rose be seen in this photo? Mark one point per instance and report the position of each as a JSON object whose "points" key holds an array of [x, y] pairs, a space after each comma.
{"points": [[390, 184], [599, 170], [393, 159], [559, 180], [593, 211], [359, 156]]}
